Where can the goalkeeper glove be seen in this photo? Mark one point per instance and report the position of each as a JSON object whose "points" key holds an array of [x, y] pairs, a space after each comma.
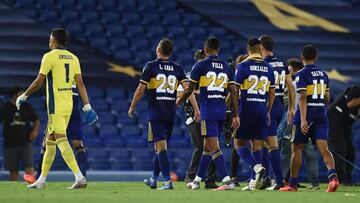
{"points": [[90, 116], [20, 100]]}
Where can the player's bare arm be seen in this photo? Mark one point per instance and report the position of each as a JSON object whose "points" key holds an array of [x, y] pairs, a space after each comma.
{"points": [[291, 92], [270, 102], [192, 101], [327, 97], [139, 92], [35, 86], [303, 111], [187, 92], [353, 103], [234, 95]]}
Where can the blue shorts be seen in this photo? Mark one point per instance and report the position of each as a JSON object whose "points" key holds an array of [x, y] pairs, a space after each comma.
{"points": [[159, 130], [251, 131], [275, 122], [211, 128], [317, 131], [74, 130]]}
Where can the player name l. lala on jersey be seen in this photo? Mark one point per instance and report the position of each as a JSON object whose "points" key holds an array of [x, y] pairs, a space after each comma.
{"points": [[166, 67]]}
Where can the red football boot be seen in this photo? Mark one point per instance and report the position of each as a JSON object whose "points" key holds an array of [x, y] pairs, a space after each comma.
{"points": [[288, 188], [29, 178], [333, 185]]}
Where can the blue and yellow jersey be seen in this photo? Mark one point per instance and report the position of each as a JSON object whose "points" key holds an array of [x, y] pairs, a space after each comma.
{"points": [[60, 67], [280, 72], [255, 78], [162, 78], [213, 76], [315, 83]]}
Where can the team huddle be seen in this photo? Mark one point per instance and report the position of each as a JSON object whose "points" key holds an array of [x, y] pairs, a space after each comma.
{"points": [[255, 91]]}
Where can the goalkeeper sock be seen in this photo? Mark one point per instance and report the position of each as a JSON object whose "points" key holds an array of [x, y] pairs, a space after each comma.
{"points": [[219, 161], [156, 169], [275, 160], [164, 164], [203, 166], [265, 161], [49, 157], [68, 156], [40, 161], [81, 157]]}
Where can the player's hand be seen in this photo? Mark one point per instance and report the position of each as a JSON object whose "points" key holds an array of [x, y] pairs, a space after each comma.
{"points": [[178, 102], [131, 112], [235, 123], [290, 116], [90, 116], [197, 116], [269, 119], [20, 100], [304, 127]]}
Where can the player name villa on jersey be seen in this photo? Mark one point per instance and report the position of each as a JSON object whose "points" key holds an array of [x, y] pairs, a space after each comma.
{"points": [[259, 68], [217, 65]]}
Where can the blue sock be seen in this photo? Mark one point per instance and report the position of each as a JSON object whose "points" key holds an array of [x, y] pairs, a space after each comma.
{"points": [[81, 157], [293, 182], [332, 174], [265, 161], [39, 162], [204, 164], [258, 156], [275, 159], [156, 170], [219, 161], [164, 165], [249, 159]]}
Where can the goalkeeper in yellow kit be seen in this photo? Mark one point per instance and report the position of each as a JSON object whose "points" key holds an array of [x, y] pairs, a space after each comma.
{"points": [[61, 69]]}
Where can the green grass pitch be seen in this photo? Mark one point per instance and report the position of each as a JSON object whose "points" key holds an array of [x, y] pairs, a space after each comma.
{"points": [[136, 192]]}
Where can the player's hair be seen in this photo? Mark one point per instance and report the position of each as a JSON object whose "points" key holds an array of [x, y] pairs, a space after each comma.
{"points": [[241, 58], [166, 46], [199, 55], [15, 90], [267, 42], [253, 45], [309, 52], [61, 36], [295, 63], [212, 43]]}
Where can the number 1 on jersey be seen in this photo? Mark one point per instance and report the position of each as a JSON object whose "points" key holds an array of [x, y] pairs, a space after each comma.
{"points": [[67, 67]]}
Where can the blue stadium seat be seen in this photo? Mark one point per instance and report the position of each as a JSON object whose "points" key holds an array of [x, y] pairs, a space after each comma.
{"points": [[99, 165], [90, 130], [142, 166], [175, 32], [90, 17], [126, 5], [99, 42], [69, 16], [110, 18], [172, 19], [24, 3], [120, 105], [197, 33], [141, 154], [179, 143], [109, 130], [93, 30], [183, 154], [155, 32], [191, 19], [87, 5], [166, 6], [97, 154], [115, 93], [136, 143], [100, 104], [130, 18], [147, 6], [48, 16], [67, 4], [108, 4], [75, 29], [123, 55], [123, 165], [130, 130], [150, 18], [118, 142], [96, 92], [116, 31], [45, 3], [139, 44], [135, 31], [94, 142]]}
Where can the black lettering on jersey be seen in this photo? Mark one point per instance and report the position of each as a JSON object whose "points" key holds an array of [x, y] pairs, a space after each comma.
{"points": [[65, 56], [317, 73], [166, 67], [217, 65]]}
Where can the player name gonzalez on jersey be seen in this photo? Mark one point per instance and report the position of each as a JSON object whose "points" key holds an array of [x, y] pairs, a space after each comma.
{"points": [[310, 119], [214, 77]]}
